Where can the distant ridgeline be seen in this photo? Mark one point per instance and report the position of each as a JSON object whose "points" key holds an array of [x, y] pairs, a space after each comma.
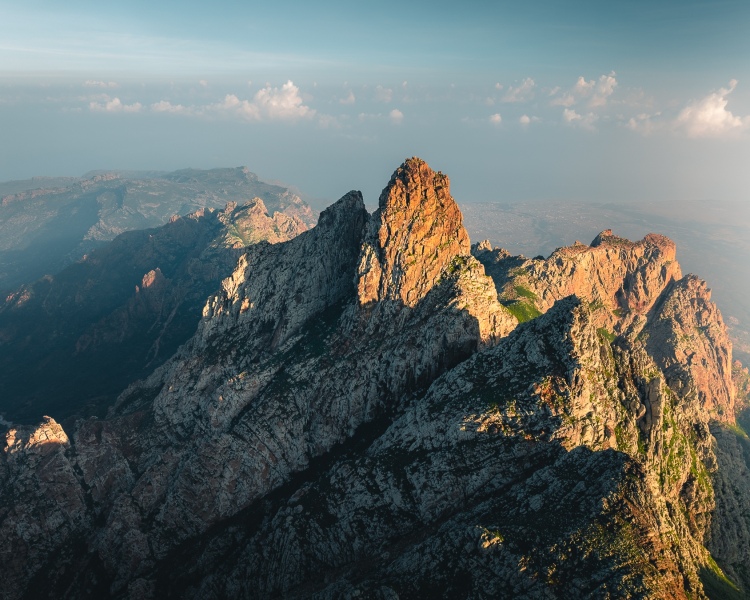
{"points": [[114, 314], [375, 408], [46, 224]]}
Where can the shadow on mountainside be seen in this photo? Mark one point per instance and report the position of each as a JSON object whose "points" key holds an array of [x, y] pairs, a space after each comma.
{"points": [[70, 343], [384, 508], [52, 246], [329, 343]]}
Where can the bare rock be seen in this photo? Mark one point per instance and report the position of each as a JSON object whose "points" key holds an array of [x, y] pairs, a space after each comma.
{"points": [[416, 230]]}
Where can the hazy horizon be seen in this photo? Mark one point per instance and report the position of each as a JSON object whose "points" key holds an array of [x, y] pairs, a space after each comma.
{"points": [[628, 101]]}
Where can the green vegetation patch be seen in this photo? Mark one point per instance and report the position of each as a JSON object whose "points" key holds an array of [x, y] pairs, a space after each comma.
{"points": [[457, 264], [622, 438], [743, 420], [738, 430], [523, 311], [717, 585], [524, 292], [606, 334]]}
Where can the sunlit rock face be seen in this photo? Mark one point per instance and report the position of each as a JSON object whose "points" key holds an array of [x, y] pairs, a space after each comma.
{"points": [[415, 232], [377, 409]]}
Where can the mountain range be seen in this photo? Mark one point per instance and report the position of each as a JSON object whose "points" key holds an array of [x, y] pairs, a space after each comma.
{"points": [[122, 310], [374, 408], [49, 223]]}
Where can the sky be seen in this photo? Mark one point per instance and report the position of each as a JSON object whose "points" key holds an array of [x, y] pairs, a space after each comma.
{"points": [[624, 101]]}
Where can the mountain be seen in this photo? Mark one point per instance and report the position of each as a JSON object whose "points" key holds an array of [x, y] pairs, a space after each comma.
{"points": [[47, 224], [713, 242], [375, 408], [121, 311]]}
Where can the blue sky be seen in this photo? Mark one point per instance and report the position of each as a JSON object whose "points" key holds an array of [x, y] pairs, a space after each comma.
{"points": [[587, 100]]}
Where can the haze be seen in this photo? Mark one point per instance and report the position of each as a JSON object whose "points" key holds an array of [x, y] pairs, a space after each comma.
{"points": [[619, 102]]}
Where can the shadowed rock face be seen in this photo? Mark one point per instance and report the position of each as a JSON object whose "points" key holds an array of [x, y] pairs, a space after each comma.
{"points": [[122, 311], [360, 413]]}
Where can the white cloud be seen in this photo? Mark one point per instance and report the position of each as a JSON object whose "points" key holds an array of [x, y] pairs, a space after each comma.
{"points": [[100, 84], [527, 120], [522, 93], [241, 108], [115, 105], [586, 121], [582, 87], [396, 116], [643, 123], [709, 116], [498, 86], [350, 99], [596, 92], [164, 106], [203, 83], [570, 115], [282, 104], [269, 103], [604, 88], [496, 119], [383, 94]]}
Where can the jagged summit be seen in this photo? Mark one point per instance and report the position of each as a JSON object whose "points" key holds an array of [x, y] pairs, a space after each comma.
{"points": [[416, 231], [608, 239]]}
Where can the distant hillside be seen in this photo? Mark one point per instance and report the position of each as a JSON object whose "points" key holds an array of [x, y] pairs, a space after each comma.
{"points": [[122, 311], [48, 223]]}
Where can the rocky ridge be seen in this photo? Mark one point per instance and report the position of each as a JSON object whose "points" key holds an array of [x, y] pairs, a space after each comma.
{"points": [[360, 413], [121, 311]]}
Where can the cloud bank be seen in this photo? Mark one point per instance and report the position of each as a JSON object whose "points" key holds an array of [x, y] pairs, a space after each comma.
{"points": [[521, 93], [709, 116], [268, 104], [115, 105], [595, 93]]}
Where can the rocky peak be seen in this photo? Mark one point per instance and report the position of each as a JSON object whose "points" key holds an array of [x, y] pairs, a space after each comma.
{"points": [[273, 290], [687, 337], [251, 222], [622, 277], [48, 432], [483, 246], [415, 233], [153, 279]]}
